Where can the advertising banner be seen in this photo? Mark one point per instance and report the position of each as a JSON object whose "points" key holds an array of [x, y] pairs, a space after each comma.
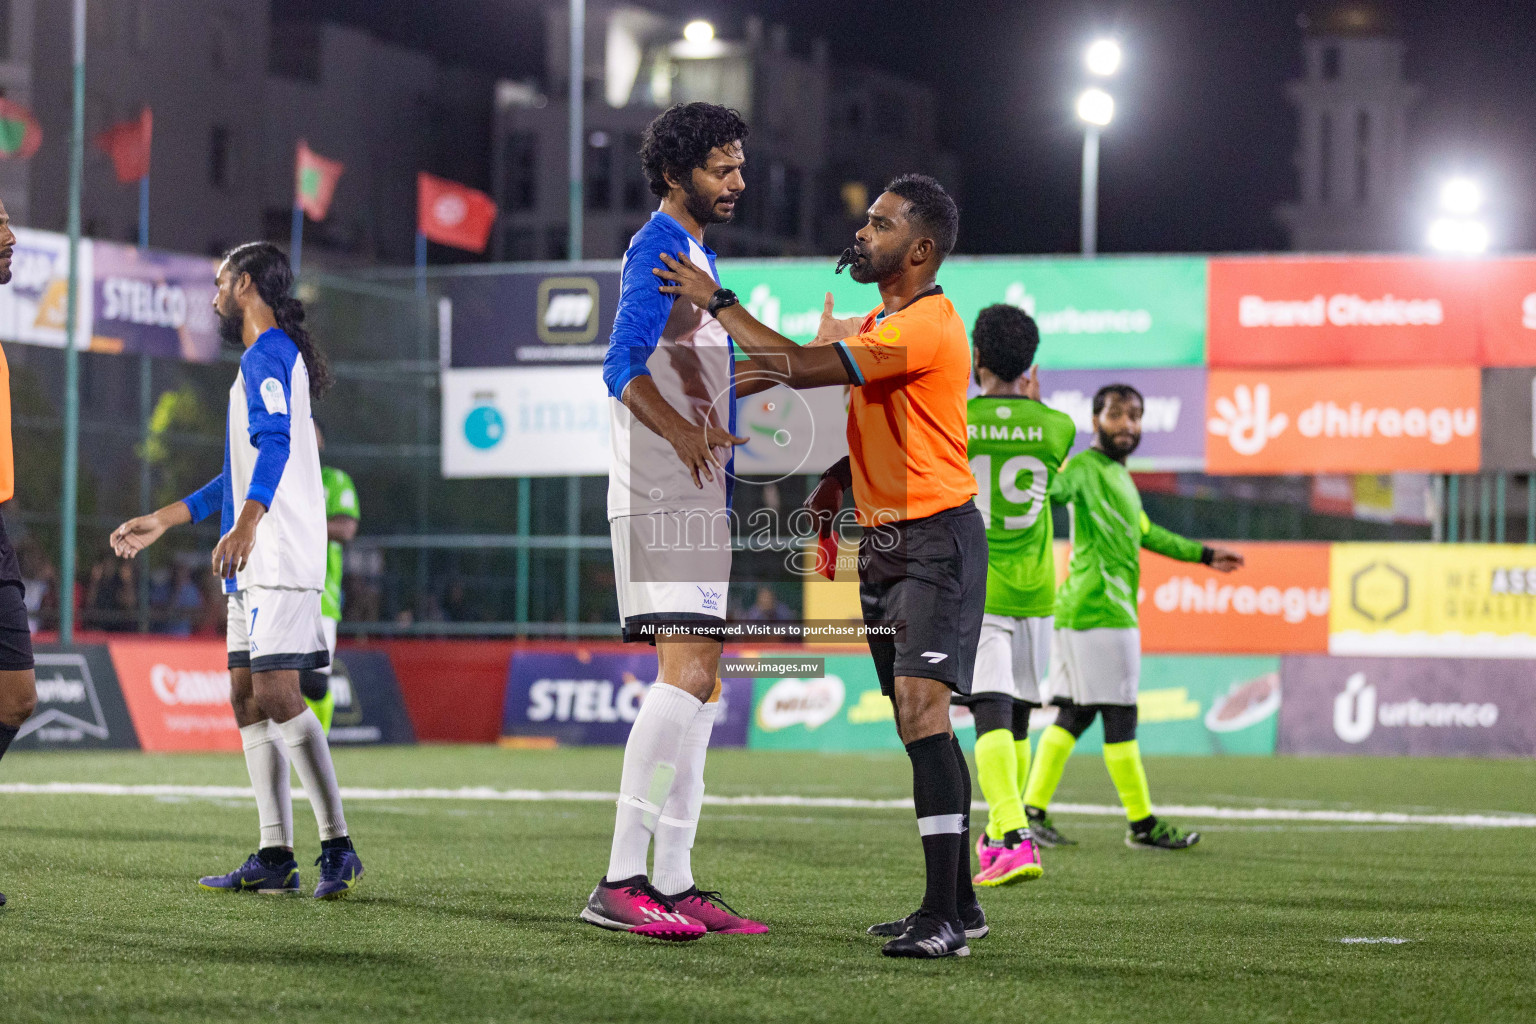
{"points": [[1343, 311], [177, 692], [33, 306], [843, 710], [1276, 604], [454, 690], [586, 697], [1344, 421], [1172, 427], [79, 705], [1122, 311], [369, 708], [1434, 707], [1508, 311], [1509, 400], [1434, 600], [154, 303], [559, 317], [525, 421]]}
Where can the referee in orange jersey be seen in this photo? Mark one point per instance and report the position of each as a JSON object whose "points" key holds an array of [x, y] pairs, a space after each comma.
{"points": [[923, 555], [18, 687]]}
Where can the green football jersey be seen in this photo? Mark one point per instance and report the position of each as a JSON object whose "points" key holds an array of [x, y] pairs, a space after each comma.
{"points": [[340, 500], [1016, 445], [1109, 529]]}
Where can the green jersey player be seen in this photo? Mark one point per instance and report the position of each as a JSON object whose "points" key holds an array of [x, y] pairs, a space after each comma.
{"points": [[1015, 445], [342, 514], [1096, 652]]}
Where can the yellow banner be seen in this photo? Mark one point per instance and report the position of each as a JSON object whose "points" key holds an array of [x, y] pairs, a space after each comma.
{"points": [[1448, 600]]}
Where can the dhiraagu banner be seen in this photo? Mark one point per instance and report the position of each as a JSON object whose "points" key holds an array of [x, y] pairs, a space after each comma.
{"points": [[1114, 312]]}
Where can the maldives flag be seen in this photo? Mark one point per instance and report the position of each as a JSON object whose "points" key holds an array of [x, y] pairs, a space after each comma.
{"points": [[20, 134], [452, 214], [314, 181], [127, 143]]}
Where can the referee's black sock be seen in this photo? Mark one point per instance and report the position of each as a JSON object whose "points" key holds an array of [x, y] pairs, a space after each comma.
{"points": [[938, 791], [7, 733], [965, 893]]}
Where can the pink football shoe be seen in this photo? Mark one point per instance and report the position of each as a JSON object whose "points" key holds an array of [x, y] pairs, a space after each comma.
{"points": [[632, 905], [1011, 865], [987, 854], [715, 914]]}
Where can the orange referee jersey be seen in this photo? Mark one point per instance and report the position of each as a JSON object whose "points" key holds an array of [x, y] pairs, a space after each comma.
{"points": [[7, 462], [906, 418]]}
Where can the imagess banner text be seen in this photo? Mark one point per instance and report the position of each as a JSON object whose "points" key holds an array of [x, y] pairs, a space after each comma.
{"points": [[1434, 600], [1425, 706], [1116, 312], [1424, 420], [1277, 603]]}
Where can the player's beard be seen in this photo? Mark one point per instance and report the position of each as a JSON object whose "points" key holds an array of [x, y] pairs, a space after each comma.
{"points": [[869, 269], [232, 329], [1119, 446], [702, 208]]}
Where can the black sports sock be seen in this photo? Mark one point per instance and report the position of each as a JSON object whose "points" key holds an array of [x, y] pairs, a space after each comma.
{"points": [[1144, 825], [274, 856], [339, 843], [1013, 838], [1035, 814], [965, 893], [939, 795], [7, 733]]}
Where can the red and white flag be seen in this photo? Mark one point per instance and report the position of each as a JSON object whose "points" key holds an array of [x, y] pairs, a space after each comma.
{"points": [[452, 214]]}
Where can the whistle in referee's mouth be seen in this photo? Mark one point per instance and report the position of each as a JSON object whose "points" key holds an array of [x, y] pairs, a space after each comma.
{"points": [[846, 260]]}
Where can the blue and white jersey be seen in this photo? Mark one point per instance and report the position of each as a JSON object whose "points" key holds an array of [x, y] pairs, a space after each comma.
{"points": [[271, 456], [689, 356]]}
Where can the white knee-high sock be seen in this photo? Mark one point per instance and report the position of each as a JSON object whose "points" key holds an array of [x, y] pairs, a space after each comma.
{"points": [[267, 761], [311, 756], [679, 820], [650, 759]]}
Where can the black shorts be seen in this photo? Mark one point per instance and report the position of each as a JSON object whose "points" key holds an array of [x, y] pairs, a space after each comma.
{"points": [[930, 576], [15, 633]]}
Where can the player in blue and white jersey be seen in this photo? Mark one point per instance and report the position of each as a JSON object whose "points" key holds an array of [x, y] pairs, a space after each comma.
{"points": [[670, 374], [272, 555]]}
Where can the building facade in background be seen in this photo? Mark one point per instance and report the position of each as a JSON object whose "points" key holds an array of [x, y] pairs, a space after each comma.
{"points": [[824, 140]]}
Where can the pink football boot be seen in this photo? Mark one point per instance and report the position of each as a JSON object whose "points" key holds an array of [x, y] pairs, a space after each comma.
{"points": [[1011, 865], [632, 905], [987, 854], [715, 914]]}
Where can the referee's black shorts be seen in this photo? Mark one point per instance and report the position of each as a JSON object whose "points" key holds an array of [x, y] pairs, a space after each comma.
{"points": [[930, 576], [15, 634]]}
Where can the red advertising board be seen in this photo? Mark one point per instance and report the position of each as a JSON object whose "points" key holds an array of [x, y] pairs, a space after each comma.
{"points": [[453, 689], [1425, 420], [1276, 604], [177, 692], [1344, 312], [1509, 312]]}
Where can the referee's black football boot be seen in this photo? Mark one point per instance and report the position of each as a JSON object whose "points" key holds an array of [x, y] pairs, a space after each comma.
{"points": [[1043, 831], [972, 917], [2, 899], [1161, 836], [928, 938]]}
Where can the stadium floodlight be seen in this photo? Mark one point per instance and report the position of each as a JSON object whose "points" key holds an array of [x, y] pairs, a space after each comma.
{"points": [[698, 31], [1096, 107], [1458, 236], [1461, 196], [1103, 57]]}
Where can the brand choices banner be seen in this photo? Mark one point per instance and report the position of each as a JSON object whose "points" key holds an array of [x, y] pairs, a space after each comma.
{"points": [[1418, 706], [1172, 423], [1276, 604], [1508, 311], [584, 697], [1429, 600], [1343, 421], [79, 705]]}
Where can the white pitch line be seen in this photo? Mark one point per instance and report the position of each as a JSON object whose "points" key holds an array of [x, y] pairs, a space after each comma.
{"points": [[486, 793]]}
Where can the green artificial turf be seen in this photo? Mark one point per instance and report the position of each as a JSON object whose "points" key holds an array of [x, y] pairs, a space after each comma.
{"points": [[468, 909]]}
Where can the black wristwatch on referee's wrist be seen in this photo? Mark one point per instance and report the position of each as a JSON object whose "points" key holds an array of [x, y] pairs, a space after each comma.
{"points": [[722, 298]]}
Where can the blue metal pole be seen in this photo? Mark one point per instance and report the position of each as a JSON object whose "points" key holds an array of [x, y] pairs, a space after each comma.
{"points": [[71, 343], [421, 263], [296, 239], [577, 99], [144, 211]]}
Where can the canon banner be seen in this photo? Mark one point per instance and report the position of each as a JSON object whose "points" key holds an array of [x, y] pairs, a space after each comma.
{"points": [[1344, 421], [1417, 706], [1302, 311], [177, 692]]}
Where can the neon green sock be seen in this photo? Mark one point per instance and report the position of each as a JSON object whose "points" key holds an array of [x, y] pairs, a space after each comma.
{"points": [[1021, 755], [324, 709], [1124, 763], [1050, 761], [998, 774]]}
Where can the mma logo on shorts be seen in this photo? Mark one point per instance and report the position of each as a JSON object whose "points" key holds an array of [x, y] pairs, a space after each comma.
{"points": [[933, 657]]}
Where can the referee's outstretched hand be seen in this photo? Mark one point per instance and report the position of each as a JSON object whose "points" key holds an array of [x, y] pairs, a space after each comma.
{"points": [[696, 446], [831, 329]]}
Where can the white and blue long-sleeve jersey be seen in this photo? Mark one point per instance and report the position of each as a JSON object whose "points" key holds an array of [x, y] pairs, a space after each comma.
{"points": [[271, 456], [688, 355]]}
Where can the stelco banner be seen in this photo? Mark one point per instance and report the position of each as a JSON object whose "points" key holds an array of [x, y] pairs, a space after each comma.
{"points": [[1343, 311], [1116, 312], [1412, 706], [1276, 604], [1434, 600], [154, 304], [1344, 421], [1172, 431]]}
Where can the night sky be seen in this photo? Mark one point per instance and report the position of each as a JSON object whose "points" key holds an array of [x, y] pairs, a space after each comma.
{"points": [[1200, 152]]}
